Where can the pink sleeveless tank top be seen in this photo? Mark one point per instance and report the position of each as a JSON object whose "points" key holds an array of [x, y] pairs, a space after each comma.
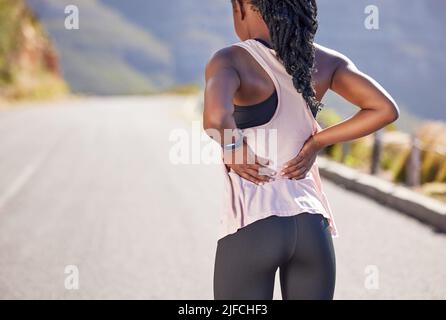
{"points": [[289, 128]]}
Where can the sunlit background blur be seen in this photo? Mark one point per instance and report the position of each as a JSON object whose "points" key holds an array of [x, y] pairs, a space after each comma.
{"points": [[85, 119]]}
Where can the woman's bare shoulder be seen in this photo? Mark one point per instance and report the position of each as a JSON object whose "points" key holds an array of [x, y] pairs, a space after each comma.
{"points": [[226, 56], [231, 57], [329, 56]]}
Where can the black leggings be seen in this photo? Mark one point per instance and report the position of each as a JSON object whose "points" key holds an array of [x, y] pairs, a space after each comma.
{"points": [[300, 246]]}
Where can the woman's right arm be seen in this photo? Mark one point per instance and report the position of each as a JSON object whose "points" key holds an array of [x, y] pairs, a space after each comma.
{"points": [[222, 82]]}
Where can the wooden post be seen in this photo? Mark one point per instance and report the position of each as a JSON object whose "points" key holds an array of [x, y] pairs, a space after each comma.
{"points": [[376, 152], [413, 166], [345, 150]]}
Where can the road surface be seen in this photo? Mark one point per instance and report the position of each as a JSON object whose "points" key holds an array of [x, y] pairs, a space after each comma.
{"points": [[89, 183]]}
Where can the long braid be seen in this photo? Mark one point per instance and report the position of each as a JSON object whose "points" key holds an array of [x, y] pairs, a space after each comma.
{"points": [[293, 25]]}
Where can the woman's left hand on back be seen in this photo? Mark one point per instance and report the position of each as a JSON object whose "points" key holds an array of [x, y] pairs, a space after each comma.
{"points": [[298, 167]]}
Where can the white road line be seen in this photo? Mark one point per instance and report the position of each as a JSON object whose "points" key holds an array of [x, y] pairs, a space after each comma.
{"points": [[20, 181]]}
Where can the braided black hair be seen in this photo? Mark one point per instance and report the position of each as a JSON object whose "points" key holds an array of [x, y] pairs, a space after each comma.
{"points": [[292, 26]]}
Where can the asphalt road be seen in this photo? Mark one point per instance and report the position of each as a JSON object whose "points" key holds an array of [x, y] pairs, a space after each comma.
{"points": [[89, 183]]}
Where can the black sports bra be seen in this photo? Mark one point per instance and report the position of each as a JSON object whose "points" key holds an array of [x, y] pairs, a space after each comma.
{"points": [[258, 114]]}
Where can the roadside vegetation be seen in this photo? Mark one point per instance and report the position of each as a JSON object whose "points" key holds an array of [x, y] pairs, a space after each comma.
{"points": [[395, 153], [29, 67]]}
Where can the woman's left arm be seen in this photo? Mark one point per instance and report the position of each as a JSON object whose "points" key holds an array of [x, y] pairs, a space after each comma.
{"points": [[378, 109]]}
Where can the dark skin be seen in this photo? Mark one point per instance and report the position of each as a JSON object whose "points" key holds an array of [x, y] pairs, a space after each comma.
{"points": [[234, 77]]}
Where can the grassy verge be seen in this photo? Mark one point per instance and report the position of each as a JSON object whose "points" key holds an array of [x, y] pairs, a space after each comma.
{"points": [[183, 89]]}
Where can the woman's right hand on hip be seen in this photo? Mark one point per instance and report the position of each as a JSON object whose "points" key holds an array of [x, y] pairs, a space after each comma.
{"points": [[248, 165]]}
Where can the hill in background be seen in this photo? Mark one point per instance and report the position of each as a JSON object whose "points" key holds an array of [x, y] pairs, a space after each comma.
{"points": [[136, 46], [108, 55], [405, 55]]}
